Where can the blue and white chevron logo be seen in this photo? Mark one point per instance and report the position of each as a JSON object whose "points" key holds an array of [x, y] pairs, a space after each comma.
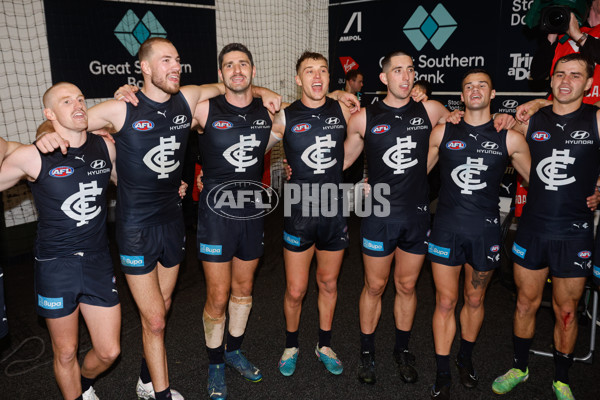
{"points": [[436, 27], [132, 32]]}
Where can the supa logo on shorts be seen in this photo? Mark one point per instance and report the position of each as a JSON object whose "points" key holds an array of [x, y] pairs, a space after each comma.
{"points": [[372, 245], [379, 129], [61, 172], [132, 261], [291, 239], [585, 254], [495, 248], [143, 125], [540, 136], [211, 249], [50, 303], [518, 250], [439, 251], [456, 145], [302, 127], [223, 125]]}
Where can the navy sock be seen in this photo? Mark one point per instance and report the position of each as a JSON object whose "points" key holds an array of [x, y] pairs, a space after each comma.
{"points": [[144, 372], [465, 352], [367, 342], [402, 338], [215, 356], [291, 339], [234, 342], [443, 364], [86, 383], [324, 338], [562, 363], [521, 356], [163, 395]]}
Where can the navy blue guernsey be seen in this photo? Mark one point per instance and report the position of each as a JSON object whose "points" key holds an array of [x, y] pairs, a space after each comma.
{"points": [[314, 142], [70, 196], [565, 163], [472, 162], [150, 153], [396, 146], [234, 141]]}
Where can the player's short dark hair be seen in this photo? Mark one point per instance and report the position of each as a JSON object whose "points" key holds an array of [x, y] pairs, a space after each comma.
{"points": [[425, 85], [309, 55], [353, 74], [477, 71], [387, 60], [146, 47], [235, 47], [589, 65]]}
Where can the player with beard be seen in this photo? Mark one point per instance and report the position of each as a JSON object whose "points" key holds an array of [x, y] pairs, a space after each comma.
{"points": [[314, 120], [395, 135], [151, 139], [73, 266]]}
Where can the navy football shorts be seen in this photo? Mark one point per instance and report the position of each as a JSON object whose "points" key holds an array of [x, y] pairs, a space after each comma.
{"points": [[326, 233], [380, 238], [481, 250], [3, 320], [140, 249], [219, 239], [62, 283], [597, 258], [567, 258]]}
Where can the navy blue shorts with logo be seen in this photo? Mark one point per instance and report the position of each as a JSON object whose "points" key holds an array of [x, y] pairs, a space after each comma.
{"points": [[481, 250], [62, 283], [566, 258], [140, 249], [219, 239], [326, 233], [596, 272], [3, 320], [380, 238]]}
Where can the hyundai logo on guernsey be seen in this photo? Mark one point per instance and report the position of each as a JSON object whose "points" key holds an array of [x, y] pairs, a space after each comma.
{"points": [[259, 123], [180, 119], [61, 172], [510, 104], [223, 125], [372, 245], [242, 200], [98, 164], [132, 261], [50, 303], [291, 239], [439, 251], [143, 125], [489, 145], [456, 145], [379, 129], [302, 127], [211, 249], [540, 136], [580, 137], [518, 250], [332, 121]]}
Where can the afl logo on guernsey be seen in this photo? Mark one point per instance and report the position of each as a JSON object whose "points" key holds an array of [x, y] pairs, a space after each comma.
{"points": [[540, 136], [299, 128], [379, 129], [495, 248], [456, 145], [61, 172], [585, 254], [143, 125], [223, 125]]}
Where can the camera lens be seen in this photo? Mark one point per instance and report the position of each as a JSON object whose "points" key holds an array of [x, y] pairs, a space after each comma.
{"points": [[556, 18]]}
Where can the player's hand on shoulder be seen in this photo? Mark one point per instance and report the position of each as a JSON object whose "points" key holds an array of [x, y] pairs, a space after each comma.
{"points": [[503, 121], [455, 116], [106, 133], [127, 93], [287, 169], [50, 141], [272, 101], [418, 95], [182, 189]]}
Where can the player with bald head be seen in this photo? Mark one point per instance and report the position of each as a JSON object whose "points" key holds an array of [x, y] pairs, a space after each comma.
{"points": [[73, 266]]}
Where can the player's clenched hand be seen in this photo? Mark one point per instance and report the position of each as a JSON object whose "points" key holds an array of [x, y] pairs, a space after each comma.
{"points": [[127, 93], [51, 141]]}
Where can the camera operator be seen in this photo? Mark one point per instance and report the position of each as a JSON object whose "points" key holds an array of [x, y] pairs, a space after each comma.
{"points": [[582, 39]]}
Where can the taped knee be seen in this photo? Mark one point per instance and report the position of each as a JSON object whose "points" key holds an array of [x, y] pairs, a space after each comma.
{"points": [[239, 310], [214, 328]]}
